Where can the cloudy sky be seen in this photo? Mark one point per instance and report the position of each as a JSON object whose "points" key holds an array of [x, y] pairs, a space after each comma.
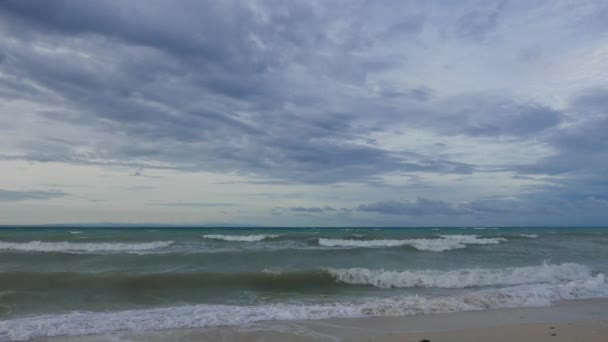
{"points": [[304, 113]]}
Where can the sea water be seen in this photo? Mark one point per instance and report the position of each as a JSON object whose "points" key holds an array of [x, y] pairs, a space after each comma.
{"points": [[58, 281]]}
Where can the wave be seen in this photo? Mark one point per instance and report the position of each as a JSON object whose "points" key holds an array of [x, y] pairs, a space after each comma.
{"points": [[361, 243], [463, 278], [198, 316], [315, 280], [443, 243], [474, 239], [531, 236], [241, 238], [170, 282], [527, 295], [83, 247]]}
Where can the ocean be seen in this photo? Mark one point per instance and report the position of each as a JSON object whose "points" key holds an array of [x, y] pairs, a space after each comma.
{"points": [[77, 280]]}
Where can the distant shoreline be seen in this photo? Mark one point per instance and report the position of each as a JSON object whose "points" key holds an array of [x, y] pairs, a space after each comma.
{"points": [[156, 226]]}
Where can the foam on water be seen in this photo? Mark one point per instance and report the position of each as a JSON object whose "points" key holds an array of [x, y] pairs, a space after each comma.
{"points": [[241, 238], [473, 239], [361, 243], [83, 247], [531, 236], [444, 243], [462, 278], [194, 316]]}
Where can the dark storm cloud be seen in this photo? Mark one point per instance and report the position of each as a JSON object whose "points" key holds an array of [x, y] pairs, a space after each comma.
{"points": [[285, 93], [157, 24], [28, 195], [203, 94], [578, 160], [272, 90], [419, 207], [593, 101], [485, 115], [420, 94], [306, 210], [580, 147], [477, 23], [486, 208], [193, 204]]}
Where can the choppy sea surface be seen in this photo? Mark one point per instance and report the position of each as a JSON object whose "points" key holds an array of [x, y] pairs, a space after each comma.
{"points": [[71, 281]]}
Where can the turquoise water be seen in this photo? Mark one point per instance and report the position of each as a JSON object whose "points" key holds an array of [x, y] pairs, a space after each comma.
{"points": [[63, 281]]}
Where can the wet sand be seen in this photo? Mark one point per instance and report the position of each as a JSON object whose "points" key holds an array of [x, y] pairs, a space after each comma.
{"points": [[582, 320]]}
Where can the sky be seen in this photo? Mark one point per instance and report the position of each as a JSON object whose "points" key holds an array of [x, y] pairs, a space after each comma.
{"points": [[304, 113]]}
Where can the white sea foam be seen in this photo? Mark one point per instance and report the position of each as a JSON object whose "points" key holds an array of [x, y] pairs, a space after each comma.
{"points": [[195, 316], [274, 272], [444, 243], [462, 278], [362, 243], [528, 295], [473, 239], [531, 236], [83, 247], [241, 238], [436, 245]]}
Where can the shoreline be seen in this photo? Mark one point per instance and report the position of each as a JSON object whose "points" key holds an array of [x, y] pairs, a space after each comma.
{"points": [[577, 320]]}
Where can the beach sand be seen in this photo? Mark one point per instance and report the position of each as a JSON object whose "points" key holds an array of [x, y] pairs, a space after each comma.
{"points": [[582, 320]]}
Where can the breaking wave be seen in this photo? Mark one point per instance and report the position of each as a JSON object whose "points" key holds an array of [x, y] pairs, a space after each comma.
{"points": [[531, 236], [462, 278], [316, 279], [83, 247], [196, 316], [443, 243], [241, 238]]}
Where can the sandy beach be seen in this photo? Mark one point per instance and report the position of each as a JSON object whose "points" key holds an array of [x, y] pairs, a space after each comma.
{"points": [[581, 320]]}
